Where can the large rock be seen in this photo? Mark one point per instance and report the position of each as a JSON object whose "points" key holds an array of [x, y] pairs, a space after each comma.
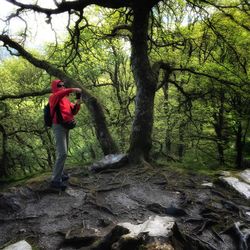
{"points": [[110, 161], [155, 226], [245, 175], [154, 233], [241, 187], [20, 245]]}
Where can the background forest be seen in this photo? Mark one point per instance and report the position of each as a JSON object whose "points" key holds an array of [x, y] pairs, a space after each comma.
{"points": [[199, 53]]}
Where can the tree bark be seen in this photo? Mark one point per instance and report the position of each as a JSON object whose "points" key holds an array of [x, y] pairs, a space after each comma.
{"points": [[104, 137], [165, 88], [219, 126], [107, 143], [141, 141], [4, 159], [239, 146], [181, 145]]}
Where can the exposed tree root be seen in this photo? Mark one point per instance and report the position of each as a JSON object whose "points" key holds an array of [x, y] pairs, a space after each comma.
{"points": [[240, 234]]}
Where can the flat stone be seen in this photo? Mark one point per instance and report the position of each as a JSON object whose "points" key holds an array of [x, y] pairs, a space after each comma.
{"points": [[241, 187], [207, 184], [155, 226], [245, 175], [20, 245]]}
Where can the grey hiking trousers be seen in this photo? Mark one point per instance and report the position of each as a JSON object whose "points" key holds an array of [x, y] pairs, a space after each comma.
{"points": [[61, 135]]}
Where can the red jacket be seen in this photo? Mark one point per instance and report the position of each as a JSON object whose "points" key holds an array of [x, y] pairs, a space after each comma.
{"points": [[67, 108]]}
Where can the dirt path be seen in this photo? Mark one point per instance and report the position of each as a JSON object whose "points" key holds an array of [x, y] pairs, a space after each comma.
{"points": [[207, 217]]}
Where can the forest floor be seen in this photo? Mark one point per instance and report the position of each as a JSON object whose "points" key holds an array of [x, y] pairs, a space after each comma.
{"points": [[206, 215]]}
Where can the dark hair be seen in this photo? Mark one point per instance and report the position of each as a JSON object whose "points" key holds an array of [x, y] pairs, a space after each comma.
{"points": [[60, 84]]}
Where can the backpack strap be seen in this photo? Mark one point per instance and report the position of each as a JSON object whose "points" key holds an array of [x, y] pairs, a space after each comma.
{"points": [[58, 113]]}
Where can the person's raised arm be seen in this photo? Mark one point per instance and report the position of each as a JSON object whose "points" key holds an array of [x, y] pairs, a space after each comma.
{"points": [[75, 107]]}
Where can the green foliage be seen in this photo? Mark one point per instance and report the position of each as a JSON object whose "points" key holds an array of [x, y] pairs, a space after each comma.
{"points": [[186, 120], [199, 112]]}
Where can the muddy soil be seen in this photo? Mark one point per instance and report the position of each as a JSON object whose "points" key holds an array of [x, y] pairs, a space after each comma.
{"points": [[207, 217]]}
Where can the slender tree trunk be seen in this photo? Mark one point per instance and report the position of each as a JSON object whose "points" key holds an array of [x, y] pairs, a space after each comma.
{"points": [[140, 140], [239, 134], [239, 147], [165, 89], [219, 125], [181, 146], [47, 146], [4, 159]]}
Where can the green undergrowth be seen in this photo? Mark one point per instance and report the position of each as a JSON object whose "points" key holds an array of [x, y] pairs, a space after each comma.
{"points": [[20, 180], [12, 181], [197, 168]]}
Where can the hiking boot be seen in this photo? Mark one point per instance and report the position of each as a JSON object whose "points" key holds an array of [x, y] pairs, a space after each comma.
{"points": [[58, 185], [65, 177]]}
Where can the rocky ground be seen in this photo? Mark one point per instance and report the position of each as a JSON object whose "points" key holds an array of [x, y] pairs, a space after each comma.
{"points": [[167, 209]]}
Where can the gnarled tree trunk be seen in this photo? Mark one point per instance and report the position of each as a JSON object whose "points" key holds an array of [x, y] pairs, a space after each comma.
{"points": [[141, 141]]}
